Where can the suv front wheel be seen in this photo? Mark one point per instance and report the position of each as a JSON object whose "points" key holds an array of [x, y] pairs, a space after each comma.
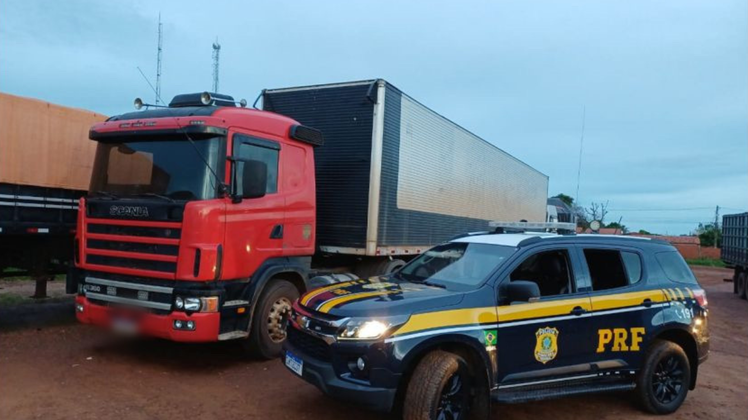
{"points": [[663, 383], [442, 387]]}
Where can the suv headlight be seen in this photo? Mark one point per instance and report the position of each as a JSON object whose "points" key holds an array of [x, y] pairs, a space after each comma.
{"points": [[371, 329]]}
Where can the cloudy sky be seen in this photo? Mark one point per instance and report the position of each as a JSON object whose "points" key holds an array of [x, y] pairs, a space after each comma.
{"points": [[664, 83]]}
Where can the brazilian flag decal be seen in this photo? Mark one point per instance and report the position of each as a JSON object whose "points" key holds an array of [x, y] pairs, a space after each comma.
{"points": [[489, 337]]}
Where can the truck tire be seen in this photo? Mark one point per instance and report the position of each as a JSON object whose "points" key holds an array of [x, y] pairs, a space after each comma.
{"points": [[267, 331], [441, 388], [741, 285], [662, 384]]}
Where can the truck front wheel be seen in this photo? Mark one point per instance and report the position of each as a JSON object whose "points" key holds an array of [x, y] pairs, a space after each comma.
{"points": [[268, 330], [441, 388]]}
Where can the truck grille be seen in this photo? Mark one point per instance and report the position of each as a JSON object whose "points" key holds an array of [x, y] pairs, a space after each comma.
{"points": [[141, 247], [309, 345]]}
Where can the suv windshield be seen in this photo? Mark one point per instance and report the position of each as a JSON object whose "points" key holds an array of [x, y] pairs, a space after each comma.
{"points": [[458, 265], [166, 167]]}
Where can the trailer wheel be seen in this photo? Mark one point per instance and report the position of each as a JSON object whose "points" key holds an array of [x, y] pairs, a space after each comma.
{"points": [[741, 286], [268, 328]]}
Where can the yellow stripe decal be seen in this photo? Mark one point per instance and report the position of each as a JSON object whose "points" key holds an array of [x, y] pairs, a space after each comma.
{"points": [[317, 292], [353, 296], [451, 318], [680, 292], [520, 312], [622, 300], [690, 293], [672, 294], [541, 309]]}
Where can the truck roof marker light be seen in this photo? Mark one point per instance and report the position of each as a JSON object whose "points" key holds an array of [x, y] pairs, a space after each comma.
{"points": [[197, 122], [124, 125]]}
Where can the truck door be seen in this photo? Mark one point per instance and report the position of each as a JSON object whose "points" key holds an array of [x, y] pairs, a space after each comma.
{"points": [[624, 307], [548, 337], [254, 226]]}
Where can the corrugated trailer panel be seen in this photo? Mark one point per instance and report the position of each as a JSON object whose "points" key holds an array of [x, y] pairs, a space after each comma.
{"points": [[345, 116], [735, 239], [45, 145], [439, 180]]}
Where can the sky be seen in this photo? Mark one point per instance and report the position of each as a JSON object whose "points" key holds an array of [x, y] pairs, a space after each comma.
{"points": [[663, 86]]}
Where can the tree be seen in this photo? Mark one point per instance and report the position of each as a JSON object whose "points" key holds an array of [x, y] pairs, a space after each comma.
{"points": [[568, 200], [597, 211], [645, 232], [709, 235], [615, 225]]}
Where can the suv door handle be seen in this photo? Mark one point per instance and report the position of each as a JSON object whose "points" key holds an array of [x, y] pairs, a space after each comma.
{"points": [[578, 310], [647, 302]]}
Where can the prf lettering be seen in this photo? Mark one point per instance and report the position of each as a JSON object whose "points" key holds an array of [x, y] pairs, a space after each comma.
{"points": [[622, 339]]}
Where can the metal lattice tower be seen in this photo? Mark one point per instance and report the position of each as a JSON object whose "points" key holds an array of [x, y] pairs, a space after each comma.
{"points": [[158, 60], [216, 54]]}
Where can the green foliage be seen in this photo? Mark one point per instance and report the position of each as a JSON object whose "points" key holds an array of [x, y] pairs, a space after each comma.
{"points": [[708, 234], [645, 232], [708, 262], [568, 200], [616, 225]]}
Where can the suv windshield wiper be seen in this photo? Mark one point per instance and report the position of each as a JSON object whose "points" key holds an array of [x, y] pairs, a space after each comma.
{"points": [[424, 281], [107, 194]]}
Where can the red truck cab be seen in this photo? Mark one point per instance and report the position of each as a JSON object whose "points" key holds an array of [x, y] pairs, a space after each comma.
{"points": [[199, 224]]}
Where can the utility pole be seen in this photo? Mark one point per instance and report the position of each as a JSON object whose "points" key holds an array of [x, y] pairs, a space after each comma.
{"points": [[158, 60], [581, 147], [716, 226], [216, 54]]}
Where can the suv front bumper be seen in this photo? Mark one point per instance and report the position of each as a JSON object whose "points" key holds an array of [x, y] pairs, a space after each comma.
{"points": [[323, 376]]}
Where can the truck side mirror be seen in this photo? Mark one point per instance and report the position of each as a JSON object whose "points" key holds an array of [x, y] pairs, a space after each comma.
{"points": [[522, 291], [254, 179]]}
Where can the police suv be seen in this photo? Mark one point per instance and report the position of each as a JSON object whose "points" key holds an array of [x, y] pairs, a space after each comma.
{"points": [[507, 317]]}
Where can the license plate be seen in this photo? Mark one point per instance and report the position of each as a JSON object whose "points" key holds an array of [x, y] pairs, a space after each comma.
{"points": [[294, 363], [124, 326]]}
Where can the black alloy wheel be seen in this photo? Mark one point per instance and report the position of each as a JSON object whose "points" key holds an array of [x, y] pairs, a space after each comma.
{"points": [[668, 380]]}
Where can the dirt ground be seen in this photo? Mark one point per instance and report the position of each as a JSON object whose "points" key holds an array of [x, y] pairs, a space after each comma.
{"points": [[80, 372]]}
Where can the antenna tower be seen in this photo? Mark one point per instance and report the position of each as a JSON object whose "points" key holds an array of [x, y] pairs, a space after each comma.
{"points": [[216, 56], [158, 60]]}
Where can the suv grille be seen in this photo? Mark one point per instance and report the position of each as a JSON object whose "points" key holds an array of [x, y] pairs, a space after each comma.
{"points": [[309, 345]]}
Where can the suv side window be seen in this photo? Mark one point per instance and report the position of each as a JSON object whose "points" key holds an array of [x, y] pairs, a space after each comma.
{"points": [[675, 267], [252, 148], [551, 270], [610, 269]]}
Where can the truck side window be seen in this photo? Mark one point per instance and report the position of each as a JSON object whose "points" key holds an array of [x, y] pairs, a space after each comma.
{"points": [[550, 270], [266, 151], [610, 269]]}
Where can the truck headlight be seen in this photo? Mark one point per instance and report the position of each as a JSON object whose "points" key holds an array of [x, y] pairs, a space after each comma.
{"points": [[197, 304], [371, 329], [192, 304]]}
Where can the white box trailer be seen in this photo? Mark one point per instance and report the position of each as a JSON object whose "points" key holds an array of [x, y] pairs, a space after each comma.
{"points": [[395, 177]]}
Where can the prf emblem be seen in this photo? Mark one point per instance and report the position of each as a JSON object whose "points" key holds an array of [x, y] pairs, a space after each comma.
{"points": [[546, 345]]}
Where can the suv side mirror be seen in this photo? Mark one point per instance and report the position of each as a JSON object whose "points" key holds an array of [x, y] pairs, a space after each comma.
{"points": [[522, 291], [254, 179]]}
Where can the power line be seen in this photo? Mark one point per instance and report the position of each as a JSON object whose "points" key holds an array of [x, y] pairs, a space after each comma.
{"points": [[666, 209]]}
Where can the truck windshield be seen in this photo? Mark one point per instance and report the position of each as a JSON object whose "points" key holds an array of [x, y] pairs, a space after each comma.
{"points": [[456, 265], [167, 167]]}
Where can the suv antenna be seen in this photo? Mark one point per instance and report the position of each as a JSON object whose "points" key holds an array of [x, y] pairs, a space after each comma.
{"points": [[216, 57], [158, 60]]}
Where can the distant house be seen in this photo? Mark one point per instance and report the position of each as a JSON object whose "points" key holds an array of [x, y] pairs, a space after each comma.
{"points": [[563, 213]]}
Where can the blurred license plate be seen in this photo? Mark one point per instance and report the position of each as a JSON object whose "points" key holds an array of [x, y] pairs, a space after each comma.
{"points": [[125, 326], [294, 363]]}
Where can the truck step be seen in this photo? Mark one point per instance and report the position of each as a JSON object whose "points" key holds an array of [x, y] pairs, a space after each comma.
{"points": [[233, 303], [520, 395], [233, 335]]}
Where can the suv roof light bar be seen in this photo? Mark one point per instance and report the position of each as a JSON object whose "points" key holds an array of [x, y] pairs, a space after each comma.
{"points": [[560, 227]]}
